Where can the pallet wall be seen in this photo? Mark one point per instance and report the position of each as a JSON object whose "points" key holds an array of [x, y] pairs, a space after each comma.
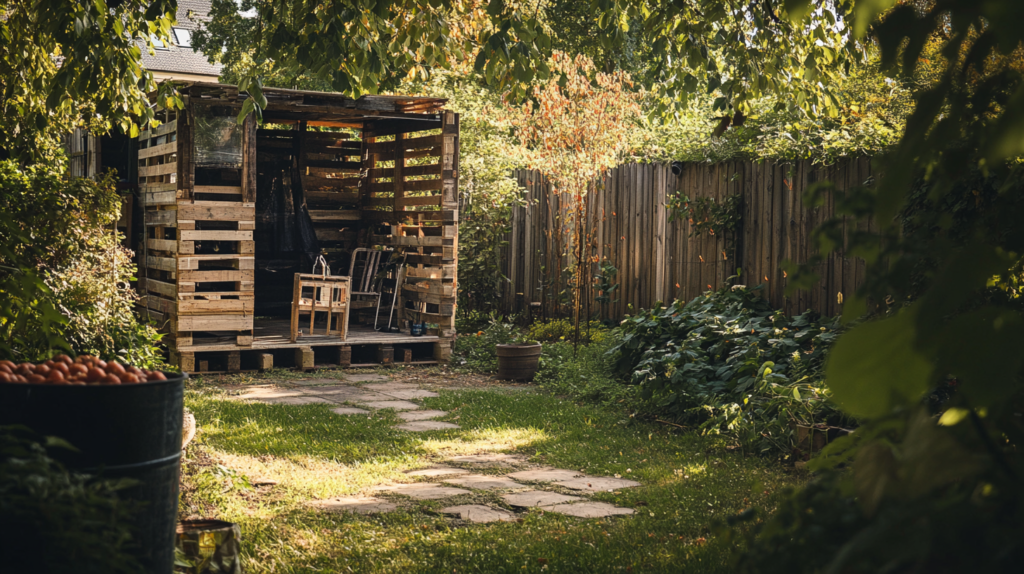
{"points": [[197, 264], [411, 185]]}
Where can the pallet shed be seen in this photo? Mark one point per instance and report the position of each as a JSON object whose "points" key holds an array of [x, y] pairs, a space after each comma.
{"points": [[232, 211]]}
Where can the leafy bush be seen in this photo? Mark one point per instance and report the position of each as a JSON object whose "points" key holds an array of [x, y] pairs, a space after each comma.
{"points": [[476, 352], [55, 521], [729, 363], [584, 373], [63, 231], [562, 330]]}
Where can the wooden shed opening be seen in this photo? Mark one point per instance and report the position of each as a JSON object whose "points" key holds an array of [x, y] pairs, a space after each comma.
{"points": [[233, 211]]}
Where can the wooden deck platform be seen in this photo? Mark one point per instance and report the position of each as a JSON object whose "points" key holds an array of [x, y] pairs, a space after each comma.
{"points": [[271, 345], [274, 334]]}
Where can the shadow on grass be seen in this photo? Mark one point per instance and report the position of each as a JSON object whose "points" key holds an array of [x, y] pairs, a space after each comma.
{"points": [[688, 484]]}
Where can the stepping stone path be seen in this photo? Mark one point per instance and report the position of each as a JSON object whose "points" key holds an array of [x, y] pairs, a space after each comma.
{"points": [[381, 394], [423, 490], [587, 509], [410, 416], [597, 483], [437, 471], [479, 513], [484, 482], [357, 504], [537, 498]]}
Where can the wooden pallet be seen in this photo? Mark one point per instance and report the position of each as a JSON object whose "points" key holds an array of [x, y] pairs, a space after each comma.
{"points": [[197, 263], [272, 345]]}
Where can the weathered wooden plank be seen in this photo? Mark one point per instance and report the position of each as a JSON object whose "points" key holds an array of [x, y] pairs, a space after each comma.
{"points": [[215, 307], [161, 263], [220, 189], [159, 287], [161, 169], [216, 276], [420, 200], [162, 245], [163, 149], [206, 212], [215, 235], [318, 215], [235, 261], [214, 322]]}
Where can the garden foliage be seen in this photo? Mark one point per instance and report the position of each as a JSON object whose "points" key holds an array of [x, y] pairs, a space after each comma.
{"points": [[728, 363], [64, 277], [54, 521]]}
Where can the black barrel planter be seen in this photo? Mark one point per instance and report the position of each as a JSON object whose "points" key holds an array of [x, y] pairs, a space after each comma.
{"points": [[129, 430], [518, 362]]}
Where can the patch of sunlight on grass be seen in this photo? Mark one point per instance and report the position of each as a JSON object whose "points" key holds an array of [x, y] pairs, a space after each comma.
{"points": [[314, 477], [485, 440]]}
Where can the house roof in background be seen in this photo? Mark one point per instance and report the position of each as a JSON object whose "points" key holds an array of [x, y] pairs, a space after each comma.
{"points": [[180, 59]]}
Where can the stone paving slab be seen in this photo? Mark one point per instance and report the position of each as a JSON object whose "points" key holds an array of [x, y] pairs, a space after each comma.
{"points": [[318, 382], [534, 498], [349, 411], [588, 509], [410, 394], [352, 394], [386, 387], [491, 459], [364, 377], [479, 513], [424, 426], [484, 482], [437, 471], [546, 475], [423, 490], [597, 483], [356, 504], [299, 400], [396, 405], [261, 393], [410, 416]]}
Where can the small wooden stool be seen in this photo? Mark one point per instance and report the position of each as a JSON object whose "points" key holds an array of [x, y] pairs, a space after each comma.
{"points": [[323, 293]]}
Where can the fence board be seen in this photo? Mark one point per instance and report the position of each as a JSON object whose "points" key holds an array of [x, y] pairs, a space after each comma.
{"points": [[627, 219]]}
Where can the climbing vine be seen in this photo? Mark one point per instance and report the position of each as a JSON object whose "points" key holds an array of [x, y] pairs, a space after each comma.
{"points": [[706, 215]]}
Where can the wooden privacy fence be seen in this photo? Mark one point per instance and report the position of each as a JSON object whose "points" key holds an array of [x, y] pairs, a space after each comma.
{"points": [[657, 260]]}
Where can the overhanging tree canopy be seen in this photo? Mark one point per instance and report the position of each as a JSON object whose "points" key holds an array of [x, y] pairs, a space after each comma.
{"points": [[65, 64]]}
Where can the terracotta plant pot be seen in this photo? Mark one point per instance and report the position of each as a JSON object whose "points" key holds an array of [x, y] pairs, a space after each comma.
{"points": [[518, 362]]}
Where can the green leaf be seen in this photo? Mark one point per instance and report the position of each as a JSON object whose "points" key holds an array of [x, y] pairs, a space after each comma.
{"points": [[875, 367], [247, 108], [866, 12], [495, 7], [982, 349], [953, 416]]}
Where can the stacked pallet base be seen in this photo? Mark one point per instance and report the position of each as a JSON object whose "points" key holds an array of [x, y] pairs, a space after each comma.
{"points": [[272, 349]]}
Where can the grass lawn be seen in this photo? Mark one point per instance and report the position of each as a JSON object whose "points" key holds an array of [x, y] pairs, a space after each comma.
{"points": [[690, 483]]}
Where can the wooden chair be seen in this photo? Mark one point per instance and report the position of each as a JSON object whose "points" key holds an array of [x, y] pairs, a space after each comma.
{"points": [[322, 293], [363, 269]]}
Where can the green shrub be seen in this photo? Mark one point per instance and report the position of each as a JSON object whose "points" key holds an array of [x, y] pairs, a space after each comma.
{"points": [[562, 330], [62, 231], [55, 521], [730, 364], [477, 352], [584, 373]]}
